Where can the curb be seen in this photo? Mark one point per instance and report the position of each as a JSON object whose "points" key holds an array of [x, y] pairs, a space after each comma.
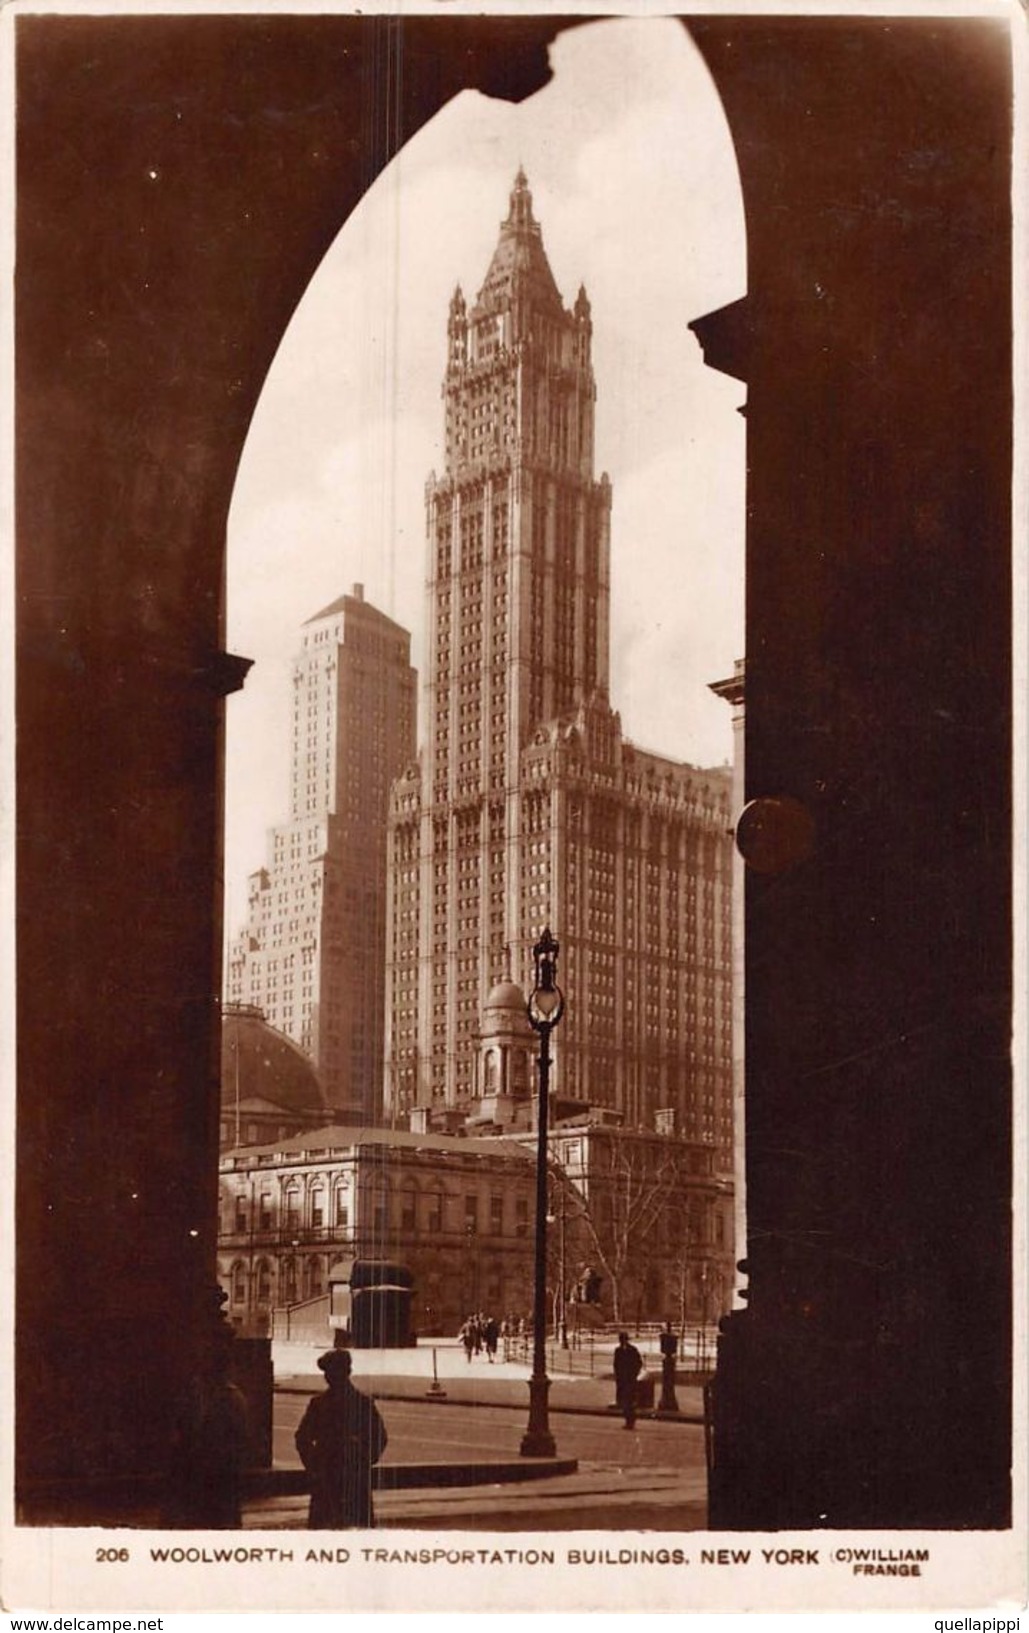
{"points": [[287, 1482], [651, 1413]]}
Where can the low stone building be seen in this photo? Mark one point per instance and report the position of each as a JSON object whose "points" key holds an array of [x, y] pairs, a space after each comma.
{"points": [[457, 1211], [645, 1215]]}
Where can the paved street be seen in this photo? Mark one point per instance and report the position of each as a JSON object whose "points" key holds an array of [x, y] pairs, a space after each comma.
{"points": [[422, 1432], [649, 1478]]}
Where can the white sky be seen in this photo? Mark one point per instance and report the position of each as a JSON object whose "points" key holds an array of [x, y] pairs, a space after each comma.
{"points": [[634, 181]]}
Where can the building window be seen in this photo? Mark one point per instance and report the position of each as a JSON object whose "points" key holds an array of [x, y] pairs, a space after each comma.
{"points": [[521, 1216], [239, 1283], [471, 1215], [241, 1214], [496, 1214]]}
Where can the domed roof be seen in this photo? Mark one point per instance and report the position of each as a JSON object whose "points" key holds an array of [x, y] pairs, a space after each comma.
{"points": [[504, 1012], [506, 995], [259, 1063]]}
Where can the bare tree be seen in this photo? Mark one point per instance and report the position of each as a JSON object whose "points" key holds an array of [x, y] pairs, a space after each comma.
{"points": [[620, 1208]]}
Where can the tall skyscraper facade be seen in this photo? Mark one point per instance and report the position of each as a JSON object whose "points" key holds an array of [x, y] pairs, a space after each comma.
{"points": [[311, 955], [527, 806]]}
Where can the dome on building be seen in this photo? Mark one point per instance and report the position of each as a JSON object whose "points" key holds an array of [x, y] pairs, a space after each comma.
{"points": [[506, 995], [261, 1064], [504, 1010]]}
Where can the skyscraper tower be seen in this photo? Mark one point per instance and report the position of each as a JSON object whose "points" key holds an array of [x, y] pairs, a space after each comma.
{"points": [[526, 806], [312, 952]]}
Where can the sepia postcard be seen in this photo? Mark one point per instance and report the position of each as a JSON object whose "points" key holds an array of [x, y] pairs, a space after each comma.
{"points": [[515, 720]]}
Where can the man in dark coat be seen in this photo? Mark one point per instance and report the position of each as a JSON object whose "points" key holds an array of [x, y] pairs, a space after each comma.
{"points": [[340, 1439], [628, 1366], [490, 1337]]}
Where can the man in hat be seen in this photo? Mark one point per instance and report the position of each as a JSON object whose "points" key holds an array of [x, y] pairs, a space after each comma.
{"points": [[628, 1364], [340, 1439]]}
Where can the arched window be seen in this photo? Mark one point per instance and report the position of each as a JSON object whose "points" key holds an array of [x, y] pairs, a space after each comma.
{"points": [[289, 1281], [292, 1201], [318, 1207], [519, 1072], [239, 1282], [264, 1282]]}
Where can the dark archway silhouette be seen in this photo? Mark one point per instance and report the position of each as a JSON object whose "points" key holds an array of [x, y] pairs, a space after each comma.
{"points": [[868, 1381], [179, 180]]}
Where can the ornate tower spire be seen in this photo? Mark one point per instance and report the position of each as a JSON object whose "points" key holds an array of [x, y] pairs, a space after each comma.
{"points": [[520, 212]]}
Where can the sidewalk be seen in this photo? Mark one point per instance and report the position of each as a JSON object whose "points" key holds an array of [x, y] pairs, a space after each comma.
{"points": [[594, 1498], [407, 1374]]}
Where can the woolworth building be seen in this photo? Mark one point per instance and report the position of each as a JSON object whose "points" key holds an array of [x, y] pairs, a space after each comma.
{"points": [[527, 807]]}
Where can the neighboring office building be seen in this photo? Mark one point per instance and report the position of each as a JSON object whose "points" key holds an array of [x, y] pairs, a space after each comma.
{"points": [[458, 1212], [311, 954], [527, 806], [733, 691]]}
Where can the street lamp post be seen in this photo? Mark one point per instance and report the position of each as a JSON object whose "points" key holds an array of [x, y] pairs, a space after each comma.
{"points": [[544, 1009], [560, 1292], [563, 1297]]}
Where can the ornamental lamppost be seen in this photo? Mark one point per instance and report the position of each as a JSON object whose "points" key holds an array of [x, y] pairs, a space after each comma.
{"points": [[561, 1294], [544, 1009]]}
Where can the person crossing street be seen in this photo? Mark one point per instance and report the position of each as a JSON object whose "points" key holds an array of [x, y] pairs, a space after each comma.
{"points": [[628, 1364]]}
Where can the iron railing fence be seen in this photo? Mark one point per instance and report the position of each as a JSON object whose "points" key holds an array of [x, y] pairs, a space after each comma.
{"points": [[589, 1350]]}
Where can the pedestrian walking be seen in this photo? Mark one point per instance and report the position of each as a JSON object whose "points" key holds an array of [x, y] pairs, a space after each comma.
{"points": [[628, 1364], [340, 1439], [467, 1336], [490, 1337]]}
